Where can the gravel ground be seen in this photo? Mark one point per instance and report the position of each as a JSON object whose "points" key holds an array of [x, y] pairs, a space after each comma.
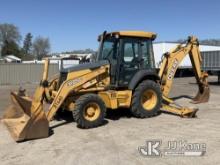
{"points": [[117, 141]]}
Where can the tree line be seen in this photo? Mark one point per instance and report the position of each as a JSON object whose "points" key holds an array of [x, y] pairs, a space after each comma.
{"points": [[83, 51], [39, 47], [10, 43], [211, 42]]}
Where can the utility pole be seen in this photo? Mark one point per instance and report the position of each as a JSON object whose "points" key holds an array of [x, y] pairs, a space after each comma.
{"points": [[1, 44]]}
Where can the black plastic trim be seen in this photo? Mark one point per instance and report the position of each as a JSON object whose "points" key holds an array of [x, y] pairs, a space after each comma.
{"points": [[142, 75]]}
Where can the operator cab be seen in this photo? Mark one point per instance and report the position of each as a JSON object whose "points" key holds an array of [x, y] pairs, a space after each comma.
{"points": [[127, 52]]}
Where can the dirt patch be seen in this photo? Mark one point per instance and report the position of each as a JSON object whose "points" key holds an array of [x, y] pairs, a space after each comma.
{"points": [[117, 141]]}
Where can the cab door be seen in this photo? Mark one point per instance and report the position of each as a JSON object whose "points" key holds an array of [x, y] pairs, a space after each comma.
{"points": [[130, 60], [136, 54]]}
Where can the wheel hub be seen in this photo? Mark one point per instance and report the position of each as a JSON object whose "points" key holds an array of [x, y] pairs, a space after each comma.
{"points": [[149, 99], [92, 111]]}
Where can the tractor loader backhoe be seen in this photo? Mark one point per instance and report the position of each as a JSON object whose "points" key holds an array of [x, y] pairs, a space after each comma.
{"points": [[123, 75]]}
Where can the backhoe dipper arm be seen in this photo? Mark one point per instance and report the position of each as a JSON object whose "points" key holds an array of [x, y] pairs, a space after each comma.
{"points": [[172, 60]]}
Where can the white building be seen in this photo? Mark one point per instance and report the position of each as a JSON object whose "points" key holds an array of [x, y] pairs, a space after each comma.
{"points": [[12, 59], [68, 60], [162, 47]]}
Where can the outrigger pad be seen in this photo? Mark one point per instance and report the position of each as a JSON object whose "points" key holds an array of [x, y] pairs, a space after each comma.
{"points": [[191, 114]]}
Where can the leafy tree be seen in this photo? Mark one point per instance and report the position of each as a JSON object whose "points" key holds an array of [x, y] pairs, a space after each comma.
{"points": [[9, 39], [9, 33], [11, 48], [41, 47], [27, 44]]}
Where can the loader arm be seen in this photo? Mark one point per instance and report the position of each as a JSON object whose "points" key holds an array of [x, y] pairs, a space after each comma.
{"points": [[171, 62], [71, 85]]}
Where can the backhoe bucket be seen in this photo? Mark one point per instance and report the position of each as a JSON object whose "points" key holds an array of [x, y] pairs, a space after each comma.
{"points": [[202, 97], [25, 119]]}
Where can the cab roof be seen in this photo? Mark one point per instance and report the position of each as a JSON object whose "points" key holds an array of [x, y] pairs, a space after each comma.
{"points": [[134, 34]]}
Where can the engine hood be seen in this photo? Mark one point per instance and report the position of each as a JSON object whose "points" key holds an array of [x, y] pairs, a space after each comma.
{"points": [[92, 65]]}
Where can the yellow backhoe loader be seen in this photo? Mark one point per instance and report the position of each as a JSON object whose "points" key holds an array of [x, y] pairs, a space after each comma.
{"points": [[123, 75]]}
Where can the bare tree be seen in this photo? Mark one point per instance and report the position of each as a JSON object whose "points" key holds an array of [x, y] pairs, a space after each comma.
{"points": [[41, 47]]}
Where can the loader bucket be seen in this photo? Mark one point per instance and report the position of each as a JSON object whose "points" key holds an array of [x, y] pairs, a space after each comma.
{"points": [[25, 119], [202, 97]]}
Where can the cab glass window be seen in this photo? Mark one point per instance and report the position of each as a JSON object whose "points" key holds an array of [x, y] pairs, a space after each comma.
{"points": [[147, 53], [130, 50], [109, 49]]}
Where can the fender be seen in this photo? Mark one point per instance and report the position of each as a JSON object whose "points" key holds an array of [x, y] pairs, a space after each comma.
{"points": [[143, 75]]}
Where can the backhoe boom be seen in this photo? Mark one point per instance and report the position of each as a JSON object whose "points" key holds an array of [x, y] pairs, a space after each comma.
{"points": [[171, 62]]}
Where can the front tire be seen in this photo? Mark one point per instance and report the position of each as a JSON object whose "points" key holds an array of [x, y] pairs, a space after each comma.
{"points": [[146, 100], [89, 111]]}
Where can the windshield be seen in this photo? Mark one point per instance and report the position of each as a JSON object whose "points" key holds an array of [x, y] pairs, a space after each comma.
{"points": [[109, 49]]}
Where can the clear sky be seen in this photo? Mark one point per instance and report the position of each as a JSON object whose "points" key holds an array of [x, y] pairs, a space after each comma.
{"points": [[75, 24]]}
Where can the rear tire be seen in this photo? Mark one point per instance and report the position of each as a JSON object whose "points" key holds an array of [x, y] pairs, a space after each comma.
{"points": [[89, 111], [146, 100]]}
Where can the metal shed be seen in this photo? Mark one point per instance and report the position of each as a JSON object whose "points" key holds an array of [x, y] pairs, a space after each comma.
{"points": [[211, 62]]}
